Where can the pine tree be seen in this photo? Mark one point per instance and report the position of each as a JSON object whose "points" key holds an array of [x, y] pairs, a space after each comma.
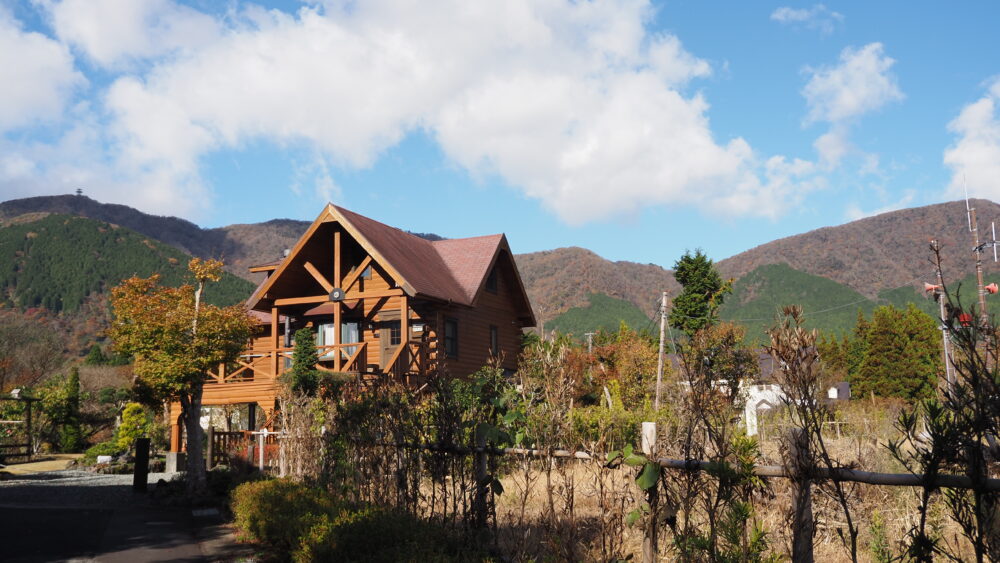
{"points": [[698, 304], [304, 377], [901, 355], [95, 357], [71, 437]]}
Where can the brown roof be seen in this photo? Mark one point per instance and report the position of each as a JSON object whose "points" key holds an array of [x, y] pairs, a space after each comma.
{"points": [[416, 259], [468, 260], [448, 270]]}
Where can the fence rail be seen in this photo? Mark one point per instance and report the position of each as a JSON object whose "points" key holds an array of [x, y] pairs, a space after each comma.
{"points": [[802, 542]]}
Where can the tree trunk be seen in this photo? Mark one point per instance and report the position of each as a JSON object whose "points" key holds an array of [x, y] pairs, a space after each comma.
{"points": [[197, 482]]}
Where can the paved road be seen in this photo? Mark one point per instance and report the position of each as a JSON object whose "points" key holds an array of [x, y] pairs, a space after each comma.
{"points": [[80, 516]]}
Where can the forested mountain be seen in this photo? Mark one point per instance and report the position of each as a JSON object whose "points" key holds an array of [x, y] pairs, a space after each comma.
{"points": [[57, 261], [832, 272]]}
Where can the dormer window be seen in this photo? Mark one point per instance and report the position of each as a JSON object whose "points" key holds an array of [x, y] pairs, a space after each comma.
{"points": [[491, 281]]}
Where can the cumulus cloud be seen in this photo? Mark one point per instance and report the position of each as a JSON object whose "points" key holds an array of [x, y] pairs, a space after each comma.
{"points": [[818, 17], [974, 158], [113, 33], [37, 75], [575, 104], [861, 82]]}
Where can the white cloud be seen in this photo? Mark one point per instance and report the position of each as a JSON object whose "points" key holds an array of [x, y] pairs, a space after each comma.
{"points": [[854, 212], [860, 83], [818, 17], [975, 156], [575, 104], [36, 74], [113, 33]]}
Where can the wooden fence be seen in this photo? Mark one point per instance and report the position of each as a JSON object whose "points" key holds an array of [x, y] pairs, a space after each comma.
{"points": [[801, 493]]}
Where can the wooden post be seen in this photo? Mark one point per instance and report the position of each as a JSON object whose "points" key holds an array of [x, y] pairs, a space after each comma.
{"points": [[404, 334], [261, 441], [209, 447], [140, 474], [27, 427], [175, 436], [274, 342], [802, 516], [337, 280], [650, 547], [479, 464]]}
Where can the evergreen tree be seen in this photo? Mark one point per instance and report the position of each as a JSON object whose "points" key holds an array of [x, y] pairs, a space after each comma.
{"points": [[71, 436], [901, 354], [304, 377], [95, 357], [698, 304]]}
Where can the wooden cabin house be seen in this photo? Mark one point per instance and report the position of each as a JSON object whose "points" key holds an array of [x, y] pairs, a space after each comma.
{"points": [[383, 303]]}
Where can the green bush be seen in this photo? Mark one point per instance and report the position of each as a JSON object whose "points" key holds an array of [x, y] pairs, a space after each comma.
{"points": [[379, 535], [278, 512], [136, 423], [104, 448], [615, 428]]}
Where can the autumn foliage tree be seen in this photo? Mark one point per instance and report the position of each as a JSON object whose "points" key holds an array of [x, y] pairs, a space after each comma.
{"points": [[175, 339]]}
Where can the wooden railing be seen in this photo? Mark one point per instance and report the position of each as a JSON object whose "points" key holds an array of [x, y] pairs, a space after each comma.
{"points": [[347, 357]]}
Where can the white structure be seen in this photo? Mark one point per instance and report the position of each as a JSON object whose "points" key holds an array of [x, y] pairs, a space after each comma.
{"points": [[761, 397]]}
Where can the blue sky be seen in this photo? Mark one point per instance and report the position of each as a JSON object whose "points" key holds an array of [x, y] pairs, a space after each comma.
{"points": [[635, 130]]}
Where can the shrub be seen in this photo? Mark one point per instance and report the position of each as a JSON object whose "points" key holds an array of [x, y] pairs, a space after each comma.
{"points": [[277, 513], [104, 448], [136, 423], [379, 535], [614, 427]]}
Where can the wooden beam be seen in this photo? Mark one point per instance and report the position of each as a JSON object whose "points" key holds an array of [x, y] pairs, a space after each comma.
{"points": [[356, 274], [338, 307], [259, 269], [274, 342], [336, 259], [318, 276], [324, 298]]}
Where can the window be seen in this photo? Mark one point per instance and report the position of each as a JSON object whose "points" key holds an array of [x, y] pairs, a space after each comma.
{"points": [[450, 338], [494, 341], [325, 336], [491, 281]]}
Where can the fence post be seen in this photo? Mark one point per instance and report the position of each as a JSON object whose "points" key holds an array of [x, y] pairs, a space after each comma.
{"points": [[210, 447], [802, 517], [140, 472], [261, 442], [482, 479]]}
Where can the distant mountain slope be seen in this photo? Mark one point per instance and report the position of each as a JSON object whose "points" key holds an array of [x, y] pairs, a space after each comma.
{"points": [[883, 259], [58, 261], [560, 279], [881, 252], [239, 246], [601, 313]]}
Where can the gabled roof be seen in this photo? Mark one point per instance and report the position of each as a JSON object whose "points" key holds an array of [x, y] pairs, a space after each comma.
{"points": [[452, 270]]}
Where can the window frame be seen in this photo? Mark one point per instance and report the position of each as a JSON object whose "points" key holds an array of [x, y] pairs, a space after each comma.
{"points": [[494, 340], [492, 282], [450, 340]]}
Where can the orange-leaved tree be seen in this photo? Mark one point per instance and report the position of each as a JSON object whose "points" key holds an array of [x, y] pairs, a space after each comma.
{"points": [[175, 339]]}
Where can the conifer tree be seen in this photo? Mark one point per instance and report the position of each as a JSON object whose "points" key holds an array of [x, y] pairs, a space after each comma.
{"points": [[304, 377], [71, 436], [698, 304], [901, 357]]}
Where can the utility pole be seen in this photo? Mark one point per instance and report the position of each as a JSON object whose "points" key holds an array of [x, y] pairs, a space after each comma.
{"points": [[590, 342], [659, 361], [984, 316], [945, 337]]}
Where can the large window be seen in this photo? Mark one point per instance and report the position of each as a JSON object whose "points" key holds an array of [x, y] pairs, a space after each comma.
{"points": [[450, 338], [325, 336]]}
